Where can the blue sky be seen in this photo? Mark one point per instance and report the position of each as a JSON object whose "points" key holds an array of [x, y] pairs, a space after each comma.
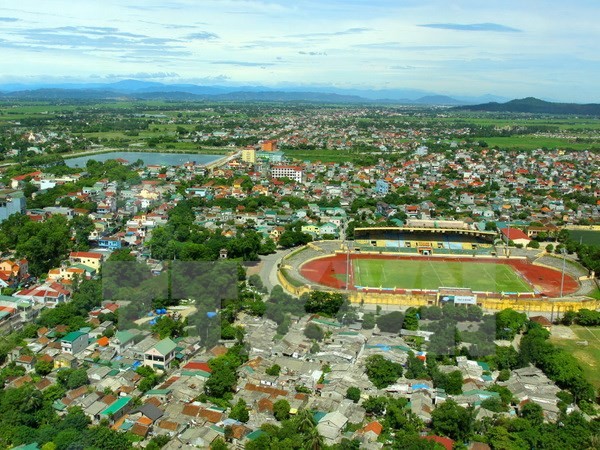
{"points": [[510, 48]]}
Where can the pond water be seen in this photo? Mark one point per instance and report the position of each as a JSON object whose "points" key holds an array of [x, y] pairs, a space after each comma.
{"points": [[149, 158]]}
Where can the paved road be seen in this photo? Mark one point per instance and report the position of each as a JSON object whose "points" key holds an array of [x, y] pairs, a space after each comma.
{"points": [[268, 267]]}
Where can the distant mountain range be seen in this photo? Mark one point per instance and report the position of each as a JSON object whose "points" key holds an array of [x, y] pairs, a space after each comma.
{"points": [[136, 89], [535, 105]]}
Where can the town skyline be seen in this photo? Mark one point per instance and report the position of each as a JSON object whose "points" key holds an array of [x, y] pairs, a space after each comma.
{"points": [[467, 49]]}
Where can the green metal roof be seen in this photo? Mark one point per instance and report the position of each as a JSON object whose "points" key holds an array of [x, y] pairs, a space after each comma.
{"points": [[485, 366], [116, 406], [255, 434], [195, 373], [482, 393], [327, 322], [73, 336], [32, 446], [60, 406], [158, 392], [124, 336], [165, 346], [84, 267]]}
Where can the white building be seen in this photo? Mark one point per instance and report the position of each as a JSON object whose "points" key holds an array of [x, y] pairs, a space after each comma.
{"points": [[293, 172]]}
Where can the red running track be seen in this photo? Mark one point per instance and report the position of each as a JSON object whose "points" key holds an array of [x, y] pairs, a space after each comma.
{"points": [[324, 270]]}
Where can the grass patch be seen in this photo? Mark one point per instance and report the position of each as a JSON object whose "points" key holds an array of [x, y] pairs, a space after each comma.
{"points": [[530, 142], [587, 355], [588, 237], [429, 274]]}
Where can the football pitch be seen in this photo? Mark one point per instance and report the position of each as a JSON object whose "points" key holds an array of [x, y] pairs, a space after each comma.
{"points": [[431, 274]]}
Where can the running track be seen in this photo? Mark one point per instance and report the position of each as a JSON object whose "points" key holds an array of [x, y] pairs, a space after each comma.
{"points": [[323, 271]]}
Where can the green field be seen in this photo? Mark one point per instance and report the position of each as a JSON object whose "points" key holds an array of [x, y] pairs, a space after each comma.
{"points": [[588, 237], [587, 355], [428, 274]]}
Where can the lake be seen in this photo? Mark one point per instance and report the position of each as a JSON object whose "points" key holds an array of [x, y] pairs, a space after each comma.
{"points": [[149, 158]]}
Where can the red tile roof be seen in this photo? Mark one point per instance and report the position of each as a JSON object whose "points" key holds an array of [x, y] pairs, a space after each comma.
{"points": [[446, 442]]}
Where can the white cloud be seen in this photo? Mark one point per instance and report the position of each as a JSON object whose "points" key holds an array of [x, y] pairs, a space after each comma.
{"points": [[425, 44]]}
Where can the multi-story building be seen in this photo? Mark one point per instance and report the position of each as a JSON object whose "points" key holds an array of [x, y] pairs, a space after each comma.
{"points": [[249, 155], [74, 342], [11, 202], [292, 172]]}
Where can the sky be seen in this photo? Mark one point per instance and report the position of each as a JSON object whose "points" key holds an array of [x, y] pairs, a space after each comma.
{"points": [[510, 48]]}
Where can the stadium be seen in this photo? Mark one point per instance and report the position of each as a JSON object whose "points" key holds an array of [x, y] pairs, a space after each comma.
{"points": [[445, 259]]}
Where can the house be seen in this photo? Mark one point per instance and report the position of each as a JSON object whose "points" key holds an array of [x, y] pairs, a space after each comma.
{"points": [[122, 340], [328, 228], [112, 243], [382, 187], [542, 321], [90, 259], [161, 354], [117, 409], [65, 360], [515, 235], [331, 425], [17, 269], [74, 342], [445, 442], [49, 294], [26, 361]]}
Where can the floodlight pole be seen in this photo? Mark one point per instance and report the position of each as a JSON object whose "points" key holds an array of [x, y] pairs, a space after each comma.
{"points": [[562, 278], [347, 264]]}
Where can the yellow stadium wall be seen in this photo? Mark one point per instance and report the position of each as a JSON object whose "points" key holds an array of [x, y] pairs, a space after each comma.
{"points": [[416, 300]]}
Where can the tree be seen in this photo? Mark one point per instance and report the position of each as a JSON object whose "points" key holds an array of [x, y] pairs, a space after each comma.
{"points": [[549, 248], [353, 393], [411, 319], [382, 372], [240, 411], [493, 404], [368, 322], [533, 244], [273, 370], [375, 405], [281, 410], [533, 413], [314, 331], [166, 327], [219, 444], [43, 367], [391, 322], [504, 375], [328, 303], [415, 367], [449, 419], [82, 226], [454, 383], [508, 323]]}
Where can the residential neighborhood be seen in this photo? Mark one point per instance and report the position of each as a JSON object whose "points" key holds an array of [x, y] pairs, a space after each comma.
{"points": [[105, 323]]}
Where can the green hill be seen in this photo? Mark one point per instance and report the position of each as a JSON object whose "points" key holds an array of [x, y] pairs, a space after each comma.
{"points": [[535, 105]]}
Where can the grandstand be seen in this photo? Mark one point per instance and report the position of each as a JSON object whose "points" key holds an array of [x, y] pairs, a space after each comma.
{"points": [[426, 237]]}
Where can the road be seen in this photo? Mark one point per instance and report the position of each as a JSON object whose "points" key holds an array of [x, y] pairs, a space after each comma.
{"points": [[268, 267]]}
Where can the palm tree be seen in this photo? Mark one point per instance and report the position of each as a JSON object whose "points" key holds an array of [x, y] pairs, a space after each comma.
{"points": [[594, 442], [314, 441], [306, 421]]}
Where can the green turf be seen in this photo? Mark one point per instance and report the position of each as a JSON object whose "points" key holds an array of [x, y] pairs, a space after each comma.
{"points": [[589, 237], [431, 274], [587, 355]]}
